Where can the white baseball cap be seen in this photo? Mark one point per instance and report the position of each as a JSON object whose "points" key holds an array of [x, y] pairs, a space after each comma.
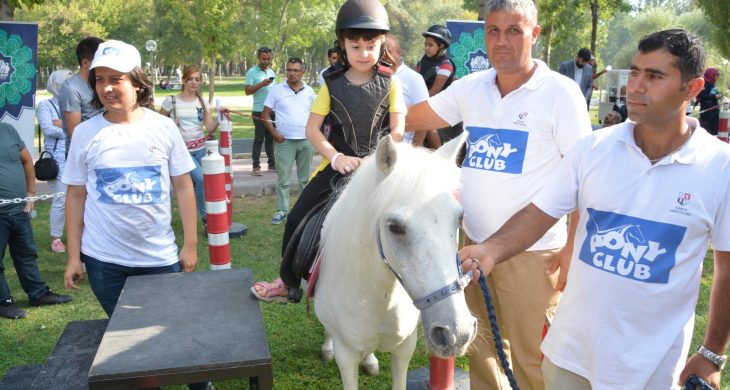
{"points": [[116, 55]]}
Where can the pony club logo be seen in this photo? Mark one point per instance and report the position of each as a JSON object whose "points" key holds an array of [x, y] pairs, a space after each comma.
{"points": [[136, 185], [477, 61], [110, 51], [630, 247], [683, 198], [499, 150]]}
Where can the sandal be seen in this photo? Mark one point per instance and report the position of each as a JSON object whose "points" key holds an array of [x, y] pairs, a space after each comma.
{"points": [[275, 291]]}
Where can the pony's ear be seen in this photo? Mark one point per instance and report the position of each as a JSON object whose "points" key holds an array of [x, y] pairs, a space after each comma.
{"points": [[451, 149], [386, 155]]}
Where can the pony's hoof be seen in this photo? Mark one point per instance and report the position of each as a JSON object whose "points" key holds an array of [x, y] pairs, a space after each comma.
{"points": [[327, 355], [370, 365]]}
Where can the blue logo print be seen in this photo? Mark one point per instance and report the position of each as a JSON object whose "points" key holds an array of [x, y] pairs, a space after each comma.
{"points": [[136, 185], [630, 247], [499, 150]]}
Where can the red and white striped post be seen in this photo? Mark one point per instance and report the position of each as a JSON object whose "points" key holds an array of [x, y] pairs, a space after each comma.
{"points": [[722, 132], [214, 179], [226, 146], [441, 373]]}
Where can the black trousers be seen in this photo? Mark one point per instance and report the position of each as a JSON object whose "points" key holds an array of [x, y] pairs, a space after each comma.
{"points": [[262, 136], [318, 189]]}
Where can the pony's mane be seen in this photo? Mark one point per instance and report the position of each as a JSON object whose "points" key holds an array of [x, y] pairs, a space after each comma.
{"points": [[418, 174]]}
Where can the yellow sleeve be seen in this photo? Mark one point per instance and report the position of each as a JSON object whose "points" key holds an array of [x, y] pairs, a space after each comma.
{"points": [[397, 104], [321, 105]]}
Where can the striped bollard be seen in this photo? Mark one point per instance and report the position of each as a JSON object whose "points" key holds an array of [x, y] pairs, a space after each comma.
{"points": [[214, 172], [722, 132], [226, 134], [441, 375]]}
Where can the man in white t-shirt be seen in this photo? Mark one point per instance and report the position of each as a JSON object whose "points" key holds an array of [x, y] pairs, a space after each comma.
{"points": [[521, 118], [414, 87], [651, 193], [291, 101]]}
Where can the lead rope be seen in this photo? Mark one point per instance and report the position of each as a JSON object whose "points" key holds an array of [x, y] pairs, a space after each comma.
{"points": [[694, 382], [498, 344]]}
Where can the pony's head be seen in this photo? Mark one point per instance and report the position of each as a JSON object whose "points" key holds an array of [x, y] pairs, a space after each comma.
{"points": [[409, 214]]}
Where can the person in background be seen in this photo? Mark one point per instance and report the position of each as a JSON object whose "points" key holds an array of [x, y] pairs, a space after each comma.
{"points": [[196, 124], [49, 119], [709, 100], [17, 180], [75, 97], [612, 118], [291, 100], [259, 80], [414, 87], [333, 57], [580, 71], [438, 71]]}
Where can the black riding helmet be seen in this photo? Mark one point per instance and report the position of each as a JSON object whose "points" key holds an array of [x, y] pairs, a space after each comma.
{"points": [[439, 33], [362, 15]]}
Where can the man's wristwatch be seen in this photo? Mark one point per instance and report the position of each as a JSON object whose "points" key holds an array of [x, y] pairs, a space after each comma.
{"points": [[719, 360]]}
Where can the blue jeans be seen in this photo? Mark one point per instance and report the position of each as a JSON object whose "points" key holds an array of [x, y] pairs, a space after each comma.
{"points": [[197, 176], [16, 231], [107, 280]]}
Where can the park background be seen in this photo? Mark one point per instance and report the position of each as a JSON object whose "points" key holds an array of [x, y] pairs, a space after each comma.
{"points": [[222, 36]]}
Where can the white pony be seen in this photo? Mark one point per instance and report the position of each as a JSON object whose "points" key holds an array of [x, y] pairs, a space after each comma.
{"points": [[389, 240]]}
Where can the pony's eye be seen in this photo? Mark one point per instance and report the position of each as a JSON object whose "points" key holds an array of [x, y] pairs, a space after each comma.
{"points": [[396, 227]]}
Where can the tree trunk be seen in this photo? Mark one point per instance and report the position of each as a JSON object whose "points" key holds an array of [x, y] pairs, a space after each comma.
{"points": [[547, 37], [211, 80], [594, 24], [7, 12], [283, 28]]}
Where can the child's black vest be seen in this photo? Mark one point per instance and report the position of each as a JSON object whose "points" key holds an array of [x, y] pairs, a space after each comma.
{"points": [[358, 115], [428, 68]]}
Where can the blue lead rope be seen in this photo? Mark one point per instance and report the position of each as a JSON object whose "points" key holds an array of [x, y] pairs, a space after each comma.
{"points": [[694, 382], [499, 346]]}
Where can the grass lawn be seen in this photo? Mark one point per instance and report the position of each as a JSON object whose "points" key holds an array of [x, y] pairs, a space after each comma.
{"points": [[294, 338]]}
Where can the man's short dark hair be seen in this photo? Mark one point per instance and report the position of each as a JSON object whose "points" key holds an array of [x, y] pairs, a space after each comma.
{"points": [[585, 54], [684, 45], [295, 60], [86, 48], [262, 50], [332, 50]]}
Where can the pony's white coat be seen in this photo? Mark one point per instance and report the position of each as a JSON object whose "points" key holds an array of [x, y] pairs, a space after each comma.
{"points": [[409, 197]]}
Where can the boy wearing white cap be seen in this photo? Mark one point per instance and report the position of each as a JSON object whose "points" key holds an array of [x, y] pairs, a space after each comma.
{"points": [[119, 171]]}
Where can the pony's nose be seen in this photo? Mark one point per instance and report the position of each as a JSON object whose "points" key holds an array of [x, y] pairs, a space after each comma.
{"points": [[442, 336]]}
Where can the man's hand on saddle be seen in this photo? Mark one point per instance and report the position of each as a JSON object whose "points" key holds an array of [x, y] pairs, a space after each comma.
{"points": [[475, 258]]}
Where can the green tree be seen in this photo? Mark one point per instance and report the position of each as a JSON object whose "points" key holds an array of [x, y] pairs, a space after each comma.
{"points": [[718, 12], [8, 7]]}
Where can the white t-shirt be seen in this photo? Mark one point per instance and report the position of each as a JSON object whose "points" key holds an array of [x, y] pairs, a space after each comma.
{"points": [[292, 109], [514, 143], [126, 170], [414, 91], [189, 118], [626, 317]]}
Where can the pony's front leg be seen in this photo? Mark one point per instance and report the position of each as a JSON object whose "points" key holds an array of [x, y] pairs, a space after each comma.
{"points": [[400, 358], [348, 361], [327, 352]]}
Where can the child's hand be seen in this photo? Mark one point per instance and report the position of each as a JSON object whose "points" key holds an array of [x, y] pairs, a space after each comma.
{"points": [[347, 164]]}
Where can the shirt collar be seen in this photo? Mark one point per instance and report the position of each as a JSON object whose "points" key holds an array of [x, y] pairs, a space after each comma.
{"points": [[541, 70], [685, 155]]}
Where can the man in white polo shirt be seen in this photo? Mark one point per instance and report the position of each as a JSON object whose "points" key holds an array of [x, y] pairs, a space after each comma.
{"points": [[651, 193], [291, 101], [521, 118], [412, 83]]}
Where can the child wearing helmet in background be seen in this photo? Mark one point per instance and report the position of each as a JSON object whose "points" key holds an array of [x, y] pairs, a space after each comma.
{"points": [[439, 71], [361, 103]]}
